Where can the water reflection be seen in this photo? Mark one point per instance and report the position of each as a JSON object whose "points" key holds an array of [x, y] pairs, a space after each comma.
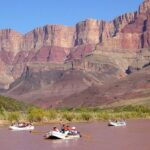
{"points": [[64, 143]]}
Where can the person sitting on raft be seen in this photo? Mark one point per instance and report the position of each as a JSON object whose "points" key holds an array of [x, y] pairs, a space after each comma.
{"points": [[69, 130], [65, 128], [72, 131], [56, 129]]}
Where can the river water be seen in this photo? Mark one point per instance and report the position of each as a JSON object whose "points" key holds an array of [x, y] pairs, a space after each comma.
{"points": [[96, 136]]}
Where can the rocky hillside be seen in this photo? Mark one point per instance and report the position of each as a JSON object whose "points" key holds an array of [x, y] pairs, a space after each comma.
{"points": [[134, 88], [68, 60], [72, 87]]}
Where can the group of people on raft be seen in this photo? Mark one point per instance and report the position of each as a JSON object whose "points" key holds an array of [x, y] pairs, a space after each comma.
{"points": [[67, 130], [21, 124]]}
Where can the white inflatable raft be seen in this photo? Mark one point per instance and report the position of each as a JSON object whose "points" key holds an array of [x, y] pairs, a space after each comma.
{"points": [[19, 127], [60, 135], [117, 123]]}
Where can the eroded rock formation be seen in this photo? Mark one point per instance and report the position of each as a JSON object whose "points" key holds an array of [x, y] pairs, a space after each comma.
{"points": [[125, 35]]}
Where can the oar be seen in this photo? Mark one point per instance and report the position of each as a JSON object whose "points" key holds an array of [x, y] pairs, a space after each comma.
{"points": [[38, 132]]}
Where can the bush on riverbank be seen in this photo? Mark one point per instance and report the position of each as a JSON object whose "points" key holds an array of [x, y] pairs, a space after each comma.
{"points": [[35, 114], [10, 104], [13, 116], [90, 114]]}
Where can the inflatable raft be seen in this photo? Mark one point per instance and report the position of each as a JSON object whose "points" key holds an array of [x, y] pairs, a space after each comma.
{"points": [[117, 123], [60, 135], [21, 127]]}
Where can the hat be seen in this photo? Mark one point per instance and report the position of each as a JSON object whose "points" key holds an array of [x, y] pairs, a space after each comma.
{"points": [[73, 128]]}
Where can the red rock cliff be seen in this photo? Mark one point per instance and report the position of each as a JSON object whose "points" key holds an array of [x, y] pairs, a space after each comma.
{"points": [[126, 33], [123, 29]]}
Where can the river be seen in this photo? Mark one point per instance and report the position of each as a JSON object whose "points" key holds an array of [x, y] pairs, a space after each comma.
{"points": [[96, 136]]}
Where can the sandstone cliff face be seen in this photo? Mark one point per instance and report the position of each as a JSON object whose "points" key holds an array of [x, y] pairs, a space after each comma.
{"points": [[57, 43], [93, 31], [146, 35], [57, 65], [144, 7], [50, 35], [5, 76], [130, 31], [10, 40], [88, 31]]}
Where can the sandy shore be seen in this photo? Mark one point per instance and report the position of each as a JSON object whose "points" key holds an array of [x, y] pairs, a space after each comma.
{"points": [[4, 122]]}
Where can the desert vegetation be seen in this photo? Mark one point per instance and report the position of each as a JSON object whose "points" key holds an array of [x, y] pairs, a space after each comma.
{"points": [[11, 104], [11, 110]]}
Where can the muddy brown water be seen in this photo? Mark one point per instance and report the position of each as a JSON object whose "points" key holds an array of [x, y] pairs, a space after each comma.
{"points": [[96, 136]]}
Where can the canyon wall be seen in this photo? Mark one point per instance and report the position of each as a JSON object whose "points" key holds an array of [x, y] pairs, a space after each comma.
{"points": [[128, 33]]}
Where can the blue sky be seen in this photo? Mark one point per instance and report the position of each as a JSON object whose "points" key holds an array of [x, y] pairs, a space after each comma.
{"points": [[24, 15]]}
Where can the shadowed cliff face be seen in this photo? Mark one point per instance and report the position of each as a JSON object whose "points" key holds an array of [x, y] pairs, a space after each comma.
{"points": [[90, 47], [73, 88], [134, 88], [49, 87]]}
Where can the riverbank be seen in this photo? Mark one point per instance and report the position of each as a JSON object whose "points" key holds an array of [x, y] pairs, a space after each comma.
{"points": [[66, 115]]}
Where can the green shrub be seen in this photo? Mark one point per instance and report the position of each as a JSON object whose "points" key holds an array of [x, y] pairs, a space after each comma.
{"points": [[2, 110], [86, 116], [10, 104], [14, 116], [51, 114], [65, 109], [142, 109], [131, 108], [103, 116], [68, 116], [36, 114]]}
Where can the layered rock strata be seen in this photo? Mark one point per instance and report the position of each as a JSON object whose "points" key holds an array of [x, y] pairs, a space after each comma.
{"points": [[129, 33]]}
